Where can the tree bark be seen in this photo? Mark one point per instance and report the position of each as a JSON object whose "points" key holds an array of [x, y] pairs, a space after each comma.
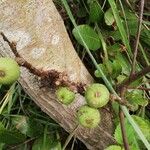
{"points": [[42, 40]]}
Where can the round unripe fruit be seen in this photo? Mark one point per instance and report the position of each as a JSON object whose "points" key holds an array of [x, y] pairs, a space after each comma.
{"points": [[9, 70], [65, 96], [88, 117], [97, 95]]}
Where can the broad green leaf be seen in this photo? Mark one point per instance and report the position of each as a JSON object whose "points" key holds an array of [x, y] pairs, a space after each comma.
{"points": [[113, 147], [89, 36], [136, 97], [109, 68], [124, 64], [129, 131], [136, 83], [131, 135], [117, 68], [113, 50], [96, 13], [109, 18], [144, 126], [27, 126], [10, 137], [104, 69], [121, 78]]}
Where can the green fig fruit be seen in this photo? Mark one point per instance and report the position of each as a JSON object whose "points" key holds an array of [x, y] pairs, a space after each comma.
{"points": [[88, 117], [65, 95], [97, 95], [9, 70]]}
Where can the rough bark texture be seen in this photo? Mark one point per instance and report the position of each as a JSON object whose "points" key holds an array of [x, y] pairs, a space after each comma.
{"points": [[42, 40]]}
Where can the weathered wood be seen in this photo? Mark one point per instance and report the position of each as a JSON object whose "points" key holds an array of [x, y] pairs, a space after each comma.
{"points": [[42, 40]]}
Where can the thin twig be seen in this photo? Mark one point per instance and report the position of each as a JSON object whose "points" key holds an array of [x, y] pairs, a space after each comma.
{"points": [[25, 142], [70, 137], [122, 123], [122, 101], [134, 77], [137, 38], [123, 130], [21, 61]]}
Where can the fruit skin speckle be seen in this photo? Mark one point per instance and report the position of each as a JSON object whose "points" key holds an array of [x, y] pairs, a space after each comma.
{"points": [[9, 70], [88, 117], [97, 95], [65, 95]]}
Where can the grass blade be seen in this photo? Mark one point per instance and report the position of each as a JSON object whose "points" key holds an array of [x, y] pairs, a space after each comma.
{"points": [[120, 26]]}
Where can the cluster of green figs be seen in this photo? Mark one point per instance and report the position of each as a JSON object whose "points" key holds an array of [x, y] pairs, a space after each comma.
{"points": [[96, 95]]}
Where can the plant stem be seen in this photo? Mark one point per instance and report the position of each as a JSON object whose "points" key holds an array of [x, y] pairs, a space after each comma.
{"points": [[137, 38], [123, 130], [122, 123], [134, 77]]}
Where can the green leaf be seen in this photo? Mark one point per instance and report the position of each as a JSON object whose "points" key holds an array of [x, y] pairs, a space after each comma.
{"points": [[90, 37], [114, 49], [129, 131], [104, 69], [96, 13], [136, 83], [136, 97], [124, 64], [117, 68], [109, 18], [131, 135], [47, 143], [120, 25], [10, 137], [144, 126], [113, 147], [27, 126], [121, 78], [109, 68]]}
